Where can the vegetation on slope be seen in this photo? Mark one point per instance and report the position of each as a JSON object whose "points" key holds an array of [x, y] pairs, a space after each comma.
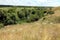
{"points": [[32, 31], [17, 15]]}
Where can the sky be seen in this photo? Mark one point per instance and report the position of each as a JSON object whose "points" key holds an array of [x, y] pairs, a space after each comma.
{"points": [[31, 2]]}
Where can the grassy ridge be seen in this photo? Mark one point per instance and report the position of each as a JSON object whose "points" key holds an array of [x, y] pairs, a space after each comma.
{"points": [[44, 29]]}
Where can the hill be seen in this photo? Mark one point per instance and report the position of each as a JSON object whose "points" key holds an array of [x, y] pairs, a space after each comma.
{"points": [[31, 31], [39, 30]]}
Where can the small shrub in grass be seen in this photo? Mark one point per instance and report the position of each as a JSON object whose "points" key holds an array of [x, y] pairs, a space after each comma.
{"points": [[50, 12], [1, 25]]}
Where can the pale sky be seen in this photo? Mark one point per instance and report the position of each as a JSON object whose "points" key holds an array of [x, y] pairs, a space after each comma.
{"points": [[31, 2]]}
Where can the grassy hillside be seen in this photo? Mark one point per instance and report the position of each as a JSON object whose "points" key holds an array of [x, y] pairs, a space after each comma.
{"points": [[46, 28], [31, 31]]}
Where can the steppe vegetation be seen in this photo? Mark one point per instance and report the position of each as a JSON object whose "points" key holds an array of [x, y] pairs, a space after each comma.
{"points": [[19, 15], [29, 23]]}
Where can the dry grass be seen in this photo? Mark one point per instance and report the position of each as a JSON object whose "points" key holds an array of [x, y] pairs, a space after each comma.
{"points": [[32, 31]]}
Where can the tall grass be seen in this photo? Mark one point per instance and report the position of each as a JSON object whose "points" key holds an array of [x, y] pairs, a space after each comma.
{"points": [[31, 31]]}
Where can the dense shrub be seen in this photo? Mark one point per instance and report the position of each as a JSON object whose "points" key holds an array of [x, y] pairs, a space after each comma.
{"points": [[12, 10], [32, 18], [11, 18], [50, 12], [19, 15], [1, 25], [2, 16]]}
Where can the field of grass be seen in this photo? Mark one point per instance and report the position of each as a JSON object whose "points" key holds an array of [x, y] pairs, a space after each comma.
{"points": [[33, 31]]}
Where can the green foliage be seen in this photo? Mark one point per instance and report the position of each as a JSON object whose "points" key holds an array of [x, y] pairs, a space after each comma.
{"points": [[1, 25], [32, 18], [16, 15], [11, 18], [50, 12], [2, 16]]}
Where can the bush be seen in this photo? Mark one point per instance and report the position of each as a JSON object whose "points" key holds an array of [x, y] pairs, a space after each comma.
{"points": [[1, 25], [50, 12], [12, 10], [32, 18], [2, 16], [21, 15], [11, 18]]}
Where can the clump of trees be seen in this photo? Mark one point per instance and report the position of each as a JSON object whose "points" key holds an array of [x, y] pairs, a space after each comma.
{"points": [[15, 16]]}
